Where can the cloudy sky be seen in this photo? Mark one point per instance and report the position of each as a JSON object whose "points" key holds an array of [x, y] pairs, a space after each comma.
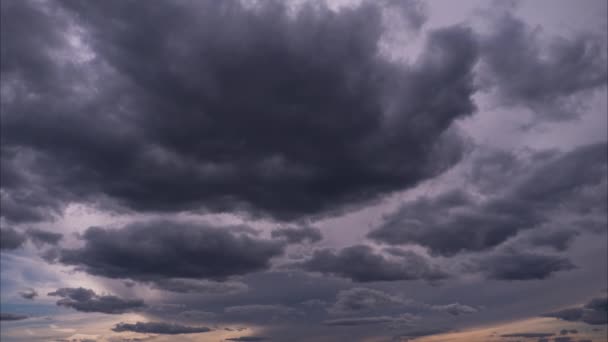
{"points": [[306, 170]]}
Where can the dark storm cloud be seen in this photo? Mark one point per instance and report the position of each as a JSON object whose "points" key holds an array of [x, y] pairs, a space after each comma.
{"points": [[594, 312], [87, 300], [11, 239], [361, 264], [309, 122], [248, 338], [155, 251], [572, 182], [5, 316], [522, 265], [298, 235], [28, 293], [40, 237], [548, 75], [159, 328]]}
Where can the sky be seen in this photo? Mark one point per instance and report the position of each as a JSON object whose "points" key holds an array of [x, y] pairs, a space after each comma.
{"points": [[304, 170]]}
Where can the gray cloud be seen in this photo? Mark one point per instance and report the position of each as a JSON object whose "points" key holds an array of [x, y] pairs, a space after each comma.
{"points": [[28, 293], [5, 316], [361, 299], [522, 265], [87, 300], [454, 309], [595, 312], [155, 251], [40, 237], [200, 286], [317, 115], [559, 240], [368, 320], [11, 239], [298, 235], [550, 76], [361, 264], [159, 328], [259, 309], [248, 338], [528, 335], [572, 182]]}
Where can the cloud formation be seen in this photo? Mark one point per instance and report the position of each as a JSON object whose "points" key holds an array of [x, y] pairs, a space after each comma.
{"points": [[5, 316], [28, 293], [316, 115], [361, 264], [548, 75], [159, 328], [595, 312], [572, 182], [86, 300], [155, 251]]}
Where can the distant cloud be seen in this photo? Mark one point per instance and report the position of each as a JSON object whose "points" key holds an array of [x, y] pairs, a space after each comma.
{"points": [[368, 320], [454, 309], [595, 312], [167, 253], [361, 264], [4, 316], [28, 293], [159, 328], [87, 300], [522, 265], [548, 75]]}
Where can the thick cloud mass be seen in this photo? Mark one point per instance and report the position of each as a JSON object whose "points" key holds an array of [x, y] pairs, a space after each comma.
{"points": [[159, 328], [87, 300], [157, 250], [359, 299], [361, 264], [250, 109], [573, 182]]}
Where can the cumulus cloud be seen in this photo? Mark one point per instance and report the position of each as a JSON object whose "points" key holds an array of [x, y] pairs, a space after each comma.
{"points": [[159, 328], [361, 264], [548, 75], [595, 312], [298, 235], [317, 114], [158, 251], [573, 182], [86, 300]]}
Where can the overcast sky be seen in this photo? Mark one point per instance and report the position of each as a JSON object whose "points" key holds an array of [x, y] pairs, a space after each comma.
{"points": [[306, 170]]}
